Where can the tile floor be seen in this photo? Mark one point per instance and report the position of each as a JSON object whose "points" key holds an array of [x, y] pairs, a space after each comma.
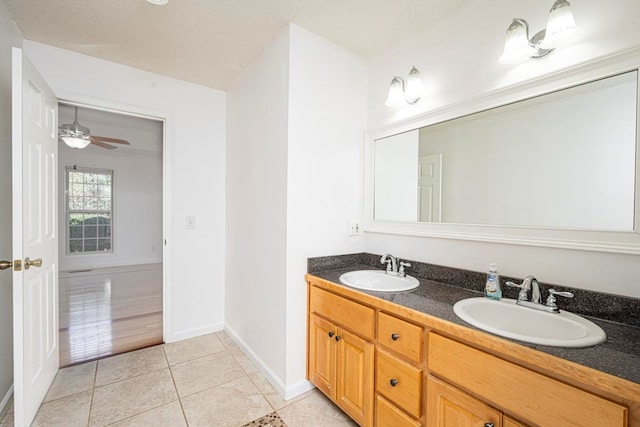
{"points": [[203, 381]]}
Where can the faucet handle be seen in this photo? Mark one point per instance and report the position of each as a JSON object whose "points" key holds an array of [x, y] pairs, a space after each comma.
{"points": [[388, 261], [402, 266], [551, 300], [522, 295]]}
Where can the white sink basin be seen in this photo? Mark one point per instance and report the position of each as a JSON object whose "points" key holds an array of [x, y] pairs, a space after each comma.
{"points": [[378, 281], [509, 320]]}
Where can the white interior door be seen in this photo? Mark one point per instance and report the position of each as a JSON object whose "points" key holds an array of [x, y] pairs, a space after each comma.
{"points": [[430, 188], [35, 286]]}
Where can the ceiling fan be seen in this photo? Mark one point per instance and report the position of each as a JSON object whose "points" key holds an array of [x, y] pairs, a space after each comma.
{"points": [[78, 136]]}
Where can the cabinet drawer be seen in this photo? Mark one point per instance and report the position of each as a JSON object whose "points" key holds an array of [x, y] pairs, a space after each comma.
{"points": [[400, 336], [388, 415], [351, 315], [530, 396], [399, 382]]}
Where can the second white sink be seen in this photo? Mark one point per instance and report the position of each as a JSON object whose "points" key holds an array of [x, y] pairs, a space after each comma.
{"points": [[378, 281], [509, 320]]}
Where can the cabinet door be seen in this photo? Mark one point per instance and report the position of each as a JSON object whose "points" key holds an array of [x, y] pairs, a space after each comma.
{"points": [[322, 354], [387, 415], [355, 377], [510, 422], [447, 407]]}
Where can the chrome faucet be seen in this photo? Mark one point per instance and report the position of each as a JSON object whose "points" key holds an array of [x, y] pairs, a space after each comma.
{"points": [[392, 262], [531, 283], [395, 267]]}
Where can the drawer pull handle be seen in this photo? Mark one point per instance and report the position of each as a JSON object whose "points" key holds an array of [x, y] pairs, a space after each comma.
{"points": [[331, 334], [489, 424], [395, 337], [393, 382], [338, 337]]}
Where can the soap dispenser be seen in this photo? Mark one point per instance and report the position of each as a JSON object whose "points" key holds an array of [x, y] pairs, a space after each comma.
{"points": [[492, 288]]}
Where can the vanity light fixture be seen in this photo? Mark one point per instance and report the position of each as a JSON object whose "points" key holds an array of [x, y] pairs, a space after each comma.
{"points": [[399, 94], [561, 29]]}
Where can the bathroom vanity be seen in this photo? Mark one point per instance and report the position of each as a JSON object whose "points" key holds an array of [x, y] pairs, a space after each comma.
{"points": [[405, 359]]}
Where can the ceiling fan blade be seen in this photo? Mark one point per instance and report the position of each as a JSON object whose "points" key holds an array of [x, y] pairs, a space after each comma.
{"points": [[112, 140], [102, 144]]}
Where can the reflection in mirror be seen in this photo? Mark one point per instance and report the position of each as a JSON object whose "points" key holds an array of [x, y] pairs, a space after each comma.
{"points": [[561, 160]]}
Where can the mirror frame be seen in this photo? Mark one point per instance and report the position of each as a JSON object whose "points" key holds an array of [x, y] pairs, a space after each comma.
{"points": [[626, 242]]}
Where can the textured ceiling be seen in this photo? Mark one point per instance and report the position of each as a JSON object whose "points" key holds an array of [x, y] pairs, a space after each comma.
{"points": [[210, 42]]}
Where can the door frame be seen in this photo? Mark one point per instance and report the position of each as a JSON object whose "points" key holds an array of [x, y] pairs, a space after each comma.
{"points": [[167, 180]]}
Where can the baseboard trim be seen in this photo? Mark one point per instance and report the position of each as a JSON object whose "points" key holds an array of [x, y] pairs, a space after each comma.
{"points": [[6, 402], [192, 333], [297, 389], [275, 381], [285, 392]]}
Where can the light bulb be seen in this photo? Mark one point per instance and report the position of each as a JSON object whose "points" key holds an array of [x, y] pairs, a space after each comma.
{"points": [[414, 86], [516, 44], [75, 141], [396, 93], [561, 26]]}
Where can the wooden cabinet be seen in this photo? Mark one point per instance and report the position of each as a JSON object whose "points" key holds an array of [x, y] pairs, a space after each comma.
{"points": [[355, 376], [388, 415], [532, 397], [400, 382], [322, 355], [341, 363], [431, 372], [447, 407], [510, 422], [399, 370], [400, 336]]}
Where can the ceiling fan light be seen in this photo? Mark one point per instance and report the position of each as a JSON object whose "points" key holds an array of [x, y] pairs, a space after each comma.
{"points": [[158, 2], [76, 141], [561, 26], [516, 44]]}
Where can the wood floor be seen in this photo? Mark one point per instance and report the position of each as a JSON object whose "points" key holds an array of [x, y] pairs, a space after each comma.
{"points": [[109, 311]]}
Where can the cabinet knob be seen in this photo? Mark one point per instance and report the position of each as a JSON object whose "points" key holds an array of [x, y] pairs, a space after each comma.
{"points": [[489, 424], [395, 337], [393, 382], [331, 334], [338, 337]]}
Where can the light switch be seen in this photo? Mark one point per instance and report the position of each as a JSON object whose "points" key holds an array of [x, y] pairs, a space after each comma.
{"points": [[190, 222]]}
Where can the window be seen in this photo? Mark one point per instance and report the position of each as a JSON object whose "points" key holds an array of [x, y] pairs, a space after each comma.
{"points": [[89, 210]]}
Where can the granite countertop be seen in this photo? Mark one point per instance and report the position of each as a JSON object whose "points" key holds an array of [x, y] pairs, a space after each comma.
{"points": [[619, 355]]}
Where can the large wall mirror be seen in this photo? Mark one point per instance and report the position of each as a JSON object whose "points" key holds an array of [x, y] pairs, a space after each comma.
{"points": [[558, 168]]}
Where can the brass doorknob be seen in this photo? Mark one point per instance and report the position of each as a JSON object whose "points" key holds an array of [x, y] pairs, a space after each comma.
{"points": [[29, 262], [5, 264]]}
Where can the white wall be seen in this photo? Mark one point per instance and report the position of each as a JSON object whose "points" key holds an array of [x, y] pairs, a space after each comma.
{"points": [[463, 64], [137, 206], [327, 104], [295, 128], [195, 167], [458, 57], [10, 36], [257, 207]]}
